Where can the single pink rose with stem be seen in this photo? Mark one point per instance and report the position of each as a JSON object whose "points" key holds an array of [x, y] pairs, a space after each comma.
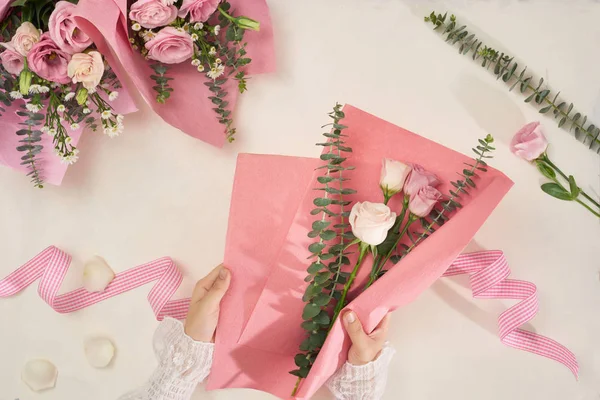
{"points": [[152, 13], [422, 202], [170, 46], [64, 31], [199, 10], [530, 144], [48, 61], [86, 68]]}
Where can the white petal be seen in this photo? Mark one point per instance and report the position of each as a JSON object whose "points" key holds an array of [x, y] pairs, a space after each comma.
{"points": [[39, 375], [97, 275], [99, 352]]}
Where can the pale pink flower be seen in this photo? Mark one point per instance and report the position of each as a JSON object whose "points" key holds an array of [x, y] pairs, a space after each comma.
{"points": [[529, 142]]}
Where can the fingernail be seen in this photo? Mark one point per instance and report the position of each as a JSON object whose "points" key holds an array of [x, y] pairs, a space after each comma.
{"points": [[350, 317], [223, 273]]}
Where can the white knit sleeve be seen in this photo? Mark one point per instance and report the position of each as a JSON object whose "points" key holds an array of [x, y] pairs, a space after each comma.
{"points": [[362, 382], [182, 364]]}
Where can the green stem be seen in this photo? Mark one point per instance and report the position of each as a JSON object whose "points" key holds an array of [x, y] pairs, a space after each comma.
{"points": [[364, 248], [377, 268], [546, 159], [225, 14], [588, 207]]}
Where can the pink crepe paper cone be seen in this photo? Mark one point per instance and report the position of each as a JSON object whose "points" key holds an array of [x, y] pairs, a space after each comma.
{"points": [[267, 253], [188, 108]]}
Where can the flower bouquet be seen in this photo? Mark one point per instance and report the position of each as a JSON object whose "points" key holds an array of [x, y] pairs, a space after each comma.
{"points": [[53, 80], [347, 235], [188, 58]]}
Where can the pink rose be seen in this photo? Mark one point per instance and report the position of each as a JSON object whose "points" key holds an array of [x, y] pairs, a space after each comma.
{"points": [[422, 202], [12, 61], [64, 30], [529, 142], [170, 46], [371, 222], [152, 13], [25, 37], [86, 68], [199, 10], [419, 178], [48, 61]]}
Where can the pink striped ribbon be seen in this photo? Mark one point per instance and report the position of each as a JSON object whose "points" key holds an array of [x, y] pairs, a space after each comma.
{"points": [[51, 266], [488, 272]]}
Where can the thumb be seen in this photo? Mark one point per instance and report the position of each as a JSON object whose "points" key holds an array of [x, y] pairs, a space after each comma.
{"points": [[355, 329], [219, 287]]}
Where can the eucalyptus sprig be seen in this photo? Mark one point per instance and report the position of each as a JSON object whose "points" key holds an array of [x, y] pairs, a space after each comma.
{"points": [[332, 235], [505, 68], [31, 136], [162, 88]]}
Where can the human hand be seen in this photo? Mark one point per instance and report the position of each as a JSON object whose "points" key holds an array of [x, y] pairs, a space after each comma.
{"points": [[365, 348], [203, 315]]}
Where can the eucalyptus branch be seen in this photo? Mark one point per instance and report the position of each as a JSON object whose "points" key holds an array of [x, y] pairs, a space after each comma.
{"points": [[330, 248], [30, 145], [162, 87], [506, 68]]}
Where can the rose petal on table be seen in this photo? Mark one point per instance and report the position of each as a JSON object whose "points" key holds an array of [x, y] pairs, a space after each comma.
{"points": [[39, 374], [97, 275], [99, 352]]}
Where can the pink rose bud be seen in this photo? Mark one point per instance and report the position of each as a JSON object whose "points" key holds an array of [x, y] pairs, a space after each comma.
{"points": [[170, 46], [25, 37], [12, 61], [199, 10], [418, 179], [153, 13], [86, 68], [422, 202], [64, 31], [48, 61], [393, 175], [371, 222], [529, 142]]}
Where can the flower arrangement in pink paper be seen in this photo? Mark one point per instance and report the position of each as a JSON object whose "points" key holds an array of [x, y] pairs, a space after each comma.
{"points": [[201, 32], [368, 227], [60, 81]]}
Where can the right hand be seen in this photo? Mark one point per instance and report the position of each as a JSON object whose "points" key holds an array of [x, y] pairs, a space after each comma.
{"points": [[365, 347]]}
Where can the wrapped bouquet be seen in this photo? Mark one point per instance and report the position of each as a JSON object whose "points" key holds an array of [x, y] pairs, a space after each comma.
{"points": [[55, 81]]}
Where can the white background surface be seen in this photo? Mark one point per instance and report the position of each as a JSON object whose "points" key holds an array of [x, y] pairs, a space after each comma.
{"points": [[155, 191]]}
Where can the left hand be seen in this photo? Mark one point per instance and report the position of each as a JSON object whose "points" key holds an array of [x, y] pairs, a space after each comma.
{"points": [[203, 315]]}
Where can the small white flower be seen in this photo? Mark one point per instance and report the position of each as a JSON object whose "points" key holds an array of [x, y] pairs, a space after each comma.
{"points": [[131, 40], [136, 27], [194, 37], [68, 140], [33, 107], [168, 2], [54, 85], [186, 27], [92, 90], [216, 71], [217, 29], [52, 132], [148, 35], [44, 129], [87, 111], [200, 68], [69, 96], [218, 61], [35, 88], [16, 95], [70, 158], [106, 114], [135, 47], [60, 108], [74, 126], [113, 96], [198, 26], [120, 118], [212, 51], [195, 62], [44, 89]]}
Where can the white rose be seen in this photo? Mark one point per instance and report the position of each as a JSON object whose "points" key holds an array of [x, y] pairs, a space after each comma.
{"points": [[25, 37], [371, 222], [393, 175], [86, 68]]}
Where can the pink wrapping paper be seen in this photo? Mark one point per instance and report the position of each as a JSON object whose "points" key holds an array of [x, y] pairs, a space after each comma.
{"points": [[53, 170], [188, 108], [267, 250]]}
